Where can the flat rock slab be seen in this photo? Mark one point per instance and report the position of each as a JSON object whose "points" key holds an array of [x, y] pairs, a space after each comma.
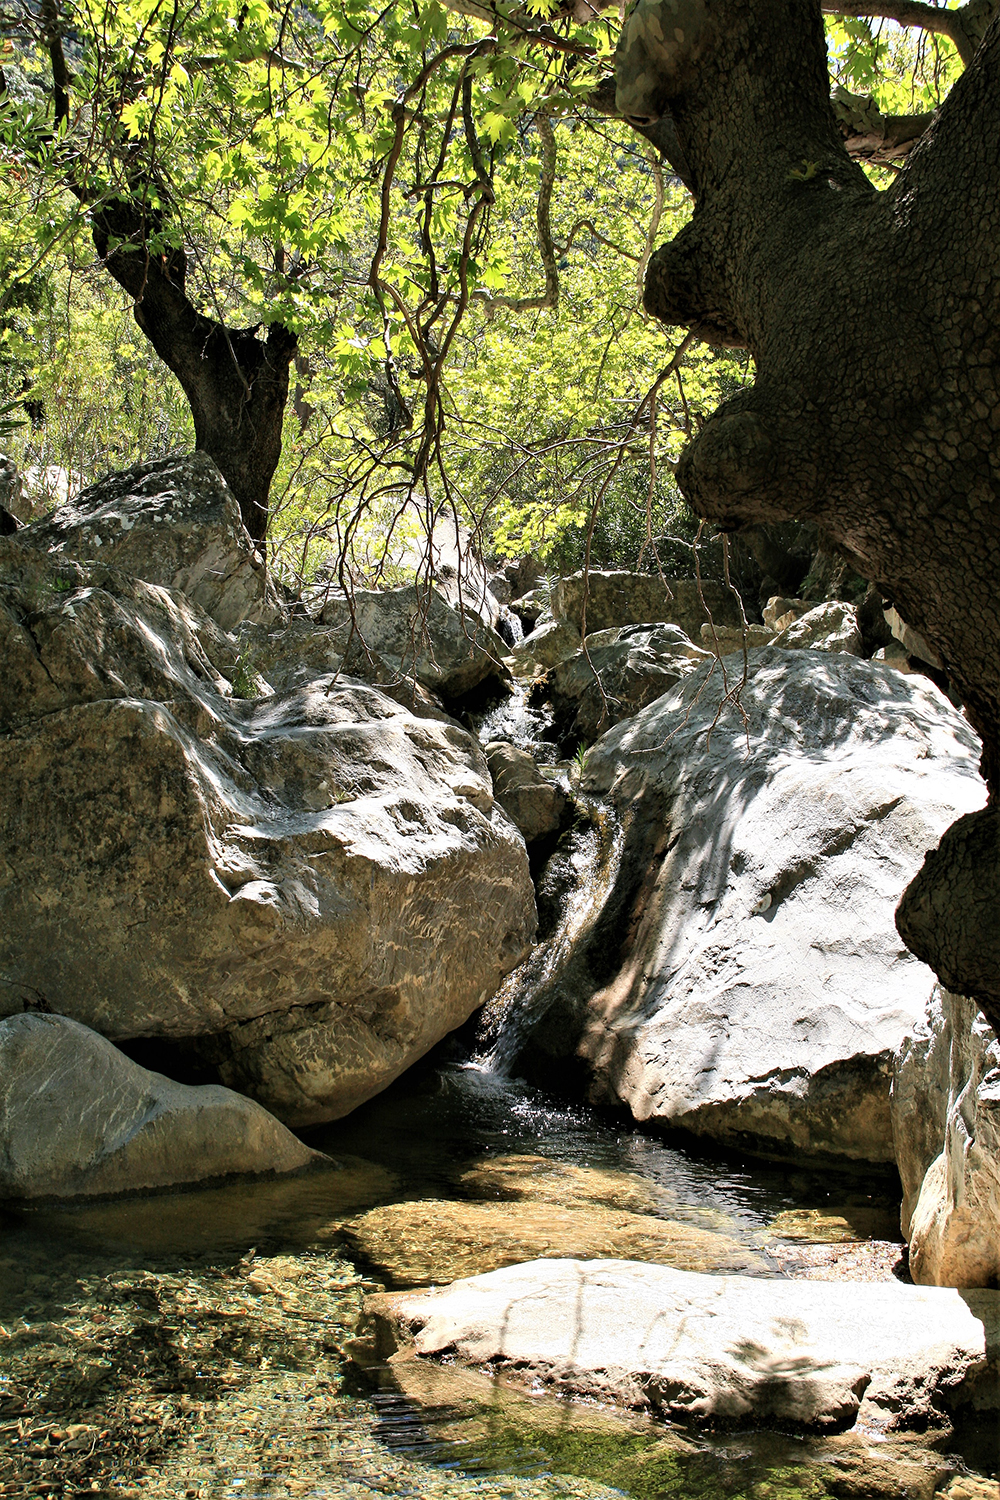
{"points": [[436, 1240], [715, 1349], [79, 1118]]}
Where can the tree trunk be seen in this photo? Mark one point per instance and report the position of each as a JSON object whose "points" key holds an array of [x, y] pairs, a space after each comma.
{"points": [[235, 380], [874, 320]]}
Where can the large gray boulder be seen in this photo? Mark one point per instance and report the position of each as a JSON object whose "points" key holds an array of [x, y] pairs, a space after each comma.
{"points": [[729, 1350], [946, 1126], [415, 632], [739, 974], [173, 522], [620, 598], [621, 672], [79, 1118], [290, 876]]}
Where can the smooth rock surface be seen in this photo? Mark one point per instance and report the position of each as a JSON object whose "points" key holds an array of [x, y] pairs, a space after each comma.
{"points": [[739, 973], [289, 877], [635, 664], [620, 598], [79, 1118], [723, 639], [946, 1126], [827, 627], [438, 1240], [716, 1349], [173, 522], [533, 804], [417, 633]]}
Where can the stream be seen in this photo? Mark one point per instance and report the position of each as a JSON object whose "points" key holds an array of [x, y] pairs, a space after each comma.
{"points": [[199, 1344]]}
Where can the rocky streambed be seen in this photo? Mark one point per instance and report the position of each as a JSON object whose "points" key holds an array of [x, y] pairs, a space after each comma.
{"points": [[213, 1342]]}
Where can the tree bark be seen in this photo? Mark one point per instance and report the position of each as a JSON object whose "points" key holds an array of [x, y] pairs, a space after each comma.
{"points": [[235, 380], [874, 321]]}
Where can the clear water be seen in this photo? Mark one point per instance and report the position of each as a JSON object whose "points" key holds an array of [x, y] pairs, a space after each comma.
{"points": [[198, 1344]]}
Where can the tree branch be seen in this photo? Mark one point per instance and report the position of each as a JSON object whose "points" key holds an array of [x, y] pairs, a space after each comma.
{"points": [[964, 27]]}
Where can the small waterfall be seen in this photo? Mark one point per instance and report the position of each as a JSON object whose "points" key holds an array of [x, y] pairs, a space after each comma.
{"points": [[527, 728], [572, 892]]}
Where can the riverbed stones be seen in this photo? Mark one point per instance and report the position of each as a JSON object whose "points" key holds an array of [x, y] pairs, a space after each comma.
{"points": [[284, 880], [78, 1118], [729, 1350], [542, 1179], [534, 805], [174, 522], [620, 598], [416, 633], [436, 1240], [946, 1124], [739, 973]]}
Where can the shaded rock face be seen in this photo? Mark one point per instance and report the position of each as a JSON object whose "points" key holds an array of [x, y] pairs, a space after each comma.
{"points": [[615, 598], [78, 1118], [946, 1124], [545, 647], [172, 522], [729, 1350], [290, 876], [416, 633], [738, 973], [635, 664], [533, 804], [12, 497]]}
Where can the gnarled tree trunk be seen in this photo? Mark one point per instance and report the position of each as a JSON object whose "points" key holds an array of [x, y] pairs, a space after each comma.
{"points": [[235, 380], [874, 320]]}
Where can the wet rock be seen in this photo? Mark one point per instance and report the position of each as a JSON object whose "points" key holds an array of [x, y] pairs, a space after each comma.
{"points": [[618, 598], [78, 1118], [715, 1349], [946, 1125], [634, 665], [416, 633], [288, 876], [738, 972], [436, 1240], [847, 1225], [827, 627], [534, 805], [540, 1179], [173, 522], [545, 647]]}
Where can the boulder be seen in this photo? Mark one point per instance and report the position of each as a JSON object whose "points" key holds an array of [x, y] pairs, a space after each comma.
{"points": [[289, 877], [912, 642], [827, 627], [635, 664], [779, 612], [946, 1126], [545, 647], [723, 639], [277, 660], [173, 522], [415, 632], [739, 973], [435, 1240], [620, 598], [78, 1118], [530, 607], [716, 1350], [533, 804]]}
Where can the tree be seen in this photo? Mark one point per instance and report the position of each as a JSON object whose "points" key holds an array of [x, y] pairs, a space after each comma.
{"points": [[873, 318]]}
